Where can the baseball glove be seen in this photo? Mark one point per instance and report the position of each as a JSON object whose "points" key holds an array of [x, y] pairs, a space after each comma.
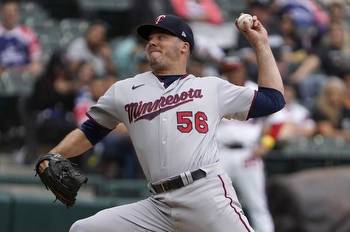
{"points": [[61, 178]]}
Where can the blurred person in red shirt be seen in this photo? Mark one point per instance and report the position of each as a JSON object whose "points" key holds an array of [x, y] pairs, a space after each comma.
{"points": [[284, 126], [198, 10], [207, 22]]}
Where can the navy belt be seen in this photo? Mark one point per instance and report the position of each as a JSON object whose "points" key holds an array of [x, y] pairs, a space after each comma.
{"points": [[178, 181]]}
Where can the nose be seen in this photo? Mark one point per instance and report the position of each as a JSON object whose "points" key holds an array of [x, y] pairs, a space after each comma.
{"points": [[152, 41]]}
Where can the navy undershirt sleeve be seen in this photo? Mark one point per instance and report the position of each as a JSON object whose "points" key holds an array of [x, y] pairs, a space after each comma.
{"points": [[266, 101], [93, 131]]}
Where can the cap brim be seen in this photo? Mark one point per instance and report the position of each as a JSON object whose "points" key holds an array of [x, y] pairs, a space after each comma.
{"points": [[145, 30]]}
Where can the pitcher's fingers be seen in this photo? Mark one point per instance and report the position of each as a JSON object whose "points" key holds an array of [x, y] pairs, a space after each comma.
{"points": [[43, 165], [256, 24], [255, 21]]}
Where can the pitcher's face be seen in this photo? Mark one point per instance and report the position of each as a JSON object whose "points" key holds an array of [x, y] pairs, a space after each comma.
{"points": [[163, 50]]}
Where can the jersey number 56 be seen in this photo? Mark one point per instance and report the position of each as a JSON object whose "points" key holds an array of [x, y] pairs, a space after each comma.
{"points": [[186, 119]]}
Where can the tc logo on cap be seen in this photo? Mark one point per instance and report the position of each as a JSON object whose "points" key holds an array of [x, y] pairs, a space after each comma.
{"points": [[160, 18]]}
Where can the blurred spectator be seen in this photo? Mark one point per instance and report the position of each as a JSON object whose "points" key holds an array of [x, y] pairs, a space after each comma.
{"points": [[334, 58], [55, 87], [51, 103], [289, 33], [19, 45], [331, 58], [285, 126], [20, 63], [299, 61], [339, 12], [85, 74], [303, 25], [234, 70], [330, 113], [198, 10], [310, 19], [92, 48]]}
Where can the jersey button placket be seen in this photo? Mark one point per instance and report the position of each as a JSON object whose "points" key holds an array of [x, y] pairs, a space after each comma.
{"points": [[163, 133]]}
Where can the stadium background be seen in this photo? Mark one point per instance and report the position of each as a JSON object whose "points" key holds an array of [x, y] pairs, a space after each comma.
{"points": [[308, 173]]}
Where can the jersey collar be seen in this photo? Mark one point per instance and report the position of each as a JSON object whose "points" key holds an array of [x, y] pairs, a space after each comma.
{"points": [[167, 80]]}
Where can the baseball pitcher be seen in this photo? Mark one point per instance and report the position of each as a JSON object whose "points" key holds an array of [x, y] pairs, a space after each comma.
{"points": [[172, 117]]}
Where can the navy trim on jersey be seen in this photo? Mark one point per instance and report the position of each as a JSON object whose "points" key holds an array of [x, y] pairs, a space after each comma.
{"points": [[169, 79], [93, 131], [266, 101]]}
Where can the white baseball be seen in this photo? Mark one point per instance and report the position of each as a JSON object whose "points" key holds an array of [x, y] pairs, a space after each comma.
{"points": [[245, 18]]}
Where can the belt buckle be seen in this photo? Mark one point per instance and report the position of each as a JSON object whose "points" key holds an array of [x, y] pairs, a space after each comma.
{"points": [[151, 189], [162, 185]]}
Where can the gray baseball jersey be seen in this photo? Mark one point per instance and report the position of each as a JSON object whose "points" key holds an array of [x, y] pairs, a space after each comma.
{"points": [[173, 128]]}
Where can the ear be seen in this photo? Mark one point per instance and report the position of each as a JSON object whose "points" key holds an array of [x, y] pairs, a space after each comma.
{"points": [[185, 47]]}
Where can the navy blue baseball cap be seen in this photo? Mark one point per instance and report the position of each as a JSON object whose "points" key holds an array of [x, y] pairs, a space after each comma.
{"points": [[171, 24]]}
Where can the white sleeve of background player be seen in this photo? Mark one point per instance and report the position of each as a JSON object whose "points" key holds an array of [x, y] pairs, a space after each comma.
{"points": [[105, 111], [234, 101]]}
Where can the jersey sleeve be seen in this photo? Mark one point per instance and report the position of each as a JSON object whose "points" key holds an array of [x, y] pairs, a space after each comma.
{"points": [[234, 101], [105, 111]]}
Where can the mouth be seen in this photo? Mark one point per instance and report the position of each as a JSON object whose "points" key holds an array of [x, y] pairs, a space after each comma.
{"points": [[154, 54], [153, 51]]}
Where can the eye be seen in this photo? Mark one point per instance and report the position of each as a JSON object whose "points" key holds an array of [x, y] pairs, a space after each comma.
{"points": [[163, 36]]}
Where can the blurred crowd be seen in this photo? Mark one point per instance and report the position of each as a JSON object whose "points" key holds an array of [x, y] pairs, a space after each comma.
{"points": [[41, 99]]}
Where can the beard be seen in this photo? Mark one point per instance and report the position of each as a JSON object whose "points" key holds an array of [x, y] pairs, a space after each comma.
{"points": [[160, 62], [157, 64]]}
